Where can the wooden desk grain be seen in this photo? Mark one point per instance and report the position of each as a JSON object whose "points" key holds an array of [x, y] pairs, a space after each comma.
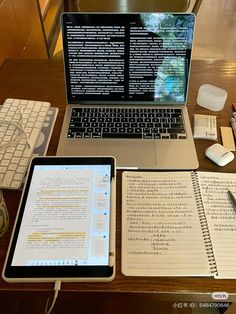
{"points": [[43, 80]]}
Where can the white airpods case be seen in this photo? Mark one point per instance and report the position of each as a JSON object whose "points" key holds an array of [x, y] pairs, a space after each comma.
{"points": [[211, 97], [219, 154]]}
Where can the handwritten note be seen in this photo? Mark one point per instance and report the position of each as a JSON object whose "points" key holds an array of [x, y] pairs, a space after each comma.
{"points": [[221, 219], [161, 231]]}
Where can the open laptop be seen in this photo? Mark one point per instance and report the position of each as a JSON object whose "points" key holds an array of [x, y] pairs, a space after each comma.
{"points": [[126, 79]]}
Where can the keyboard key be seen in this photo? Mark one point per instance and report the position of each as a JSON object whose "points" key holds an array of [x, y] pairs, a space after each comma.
{"points": [[96, 135], [5, 162], [147, 136], [12, 167], [121, 135], [165, 136], [15, 160], [16, 184], [78, 135], [175, 131], [7, 178]]}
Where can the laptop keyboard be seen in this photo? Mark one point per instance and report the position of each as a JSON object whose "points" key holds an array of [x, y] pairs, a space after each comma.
{"points": [[139, 123]]}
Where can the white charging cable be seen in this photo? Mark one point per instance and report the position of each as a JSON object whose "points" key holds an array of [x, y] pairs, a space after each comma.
{"points": [[18, 138], [57, 287]]}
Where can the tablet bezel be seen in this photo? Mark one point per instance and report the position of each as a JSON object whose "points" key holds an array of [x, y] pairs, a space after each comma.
{"points": [[64, 273]]}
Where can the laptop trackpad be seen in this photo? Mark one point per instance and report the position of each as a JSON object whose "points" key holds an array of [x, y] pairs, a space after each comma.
{"points": [[129, 153]]}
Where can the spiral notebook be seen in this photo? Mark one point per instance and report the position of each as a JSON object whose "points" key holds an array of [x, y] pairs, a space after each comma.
{"points": [[178, 224]]}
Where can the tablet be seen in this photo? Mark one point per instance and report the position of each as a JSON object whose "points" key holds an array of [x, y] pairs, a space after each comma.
{"points": [[65, 225]]}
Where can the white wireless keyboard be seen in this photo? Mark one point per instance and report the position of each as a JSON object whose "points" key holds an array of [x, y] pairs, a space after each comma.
{"points": [[15, 151]]}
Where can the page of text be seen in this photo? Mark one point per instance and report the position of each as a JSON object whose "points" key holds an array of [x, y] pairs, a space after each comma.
{"points": [[161, 232], [66, 217], [221, 218], [136, 57]]}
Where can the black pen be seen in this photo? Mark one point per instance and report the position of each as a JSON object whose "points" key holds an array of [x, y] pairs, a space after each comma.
{"points": [[233, 199]]}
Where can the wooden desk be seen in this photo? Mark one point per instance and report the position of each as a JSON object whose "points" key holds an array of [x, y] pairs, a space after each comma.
{"points": [[43, 80]]}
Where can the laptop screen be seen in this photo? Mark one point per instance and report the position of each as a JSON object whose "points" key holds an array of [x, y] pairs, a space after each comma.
{"points": [[127, 58]]}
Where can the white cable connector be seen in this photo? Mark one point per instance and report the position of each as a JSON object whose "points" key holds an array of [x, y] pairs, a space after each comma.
{"points": [[57, 287]]}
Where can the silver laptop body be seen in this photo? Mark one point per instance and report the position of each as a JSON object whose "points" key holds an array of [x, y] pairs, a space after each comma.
{"points": [[129, 60]]}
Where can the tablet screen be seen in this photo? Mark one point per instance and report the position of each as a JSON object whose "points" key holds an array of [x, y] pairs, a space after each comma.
{"points": [[64, 220]]}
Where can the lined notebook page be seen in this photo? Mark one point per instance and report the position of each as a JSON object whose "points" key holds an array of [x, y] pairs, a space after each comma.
{"points": [[221, 218], [161, 232]]}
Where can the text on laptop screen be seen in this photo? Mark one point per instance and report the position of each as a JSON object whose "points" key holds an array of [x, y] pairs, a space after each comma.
{"points": [[127, 57]]}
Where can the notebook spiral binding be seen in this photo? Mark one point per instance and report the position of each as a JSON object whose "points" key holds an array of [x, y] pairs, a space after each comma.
{"points": [[204, 225]]}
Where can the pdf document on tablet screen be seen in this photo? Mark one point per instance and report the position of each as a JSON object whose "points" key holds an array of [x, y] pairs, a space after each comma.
{"points": [[66, 219]]}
